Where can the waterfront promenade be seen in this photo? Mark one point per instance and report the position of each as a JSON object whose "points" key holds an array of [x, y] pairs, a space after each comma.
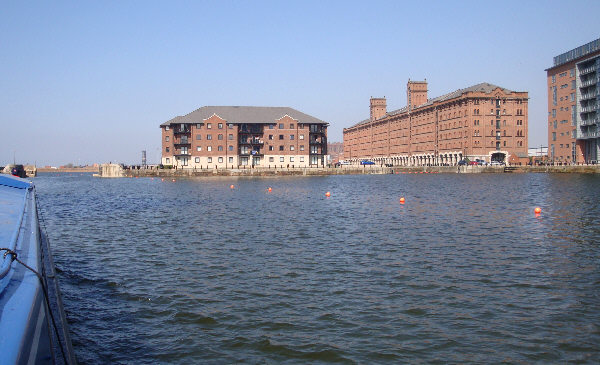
{"points": [[114, 170]]}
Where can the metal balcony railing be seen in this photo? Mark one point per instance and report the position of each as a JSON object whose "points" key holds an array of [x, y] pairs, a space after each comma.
{"points": [[589, 82], [587, 70], [590, 134], [589, 95], [588, 109]]}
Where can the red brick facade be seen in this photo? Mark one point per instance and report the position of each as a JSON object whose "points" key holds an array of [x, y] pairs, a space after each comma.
{"points": [[483, 122]]}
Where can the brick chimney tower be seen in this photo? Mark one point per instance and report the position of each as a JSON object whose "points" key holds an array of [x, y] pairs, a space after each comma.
{"points": [[416, 93], [378, 108]]}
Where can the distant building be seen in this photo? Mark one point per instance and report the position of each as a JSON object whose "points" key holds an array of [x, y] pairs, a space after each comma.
{"points": [[483, 121], [244, 136], [336, 151], [573, 99]]}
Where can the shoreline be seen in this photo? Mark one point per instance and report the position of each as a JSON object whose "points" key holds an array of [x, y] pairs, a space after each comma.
{"points": [[113, 171]]}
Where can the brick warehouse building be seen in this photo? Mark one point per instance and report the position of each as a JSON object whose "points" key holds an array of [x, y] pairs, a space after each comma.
{"points": [[573, 99], [483, 121], [244, 136]]}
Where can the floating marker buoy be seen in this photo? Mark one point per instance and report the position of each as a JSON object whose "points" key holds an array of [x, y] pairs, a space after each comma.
{"points": [[163, 179], [269, 189], [173, 180], [231, 187], [537, 210], [402, 200], [328, 194]]}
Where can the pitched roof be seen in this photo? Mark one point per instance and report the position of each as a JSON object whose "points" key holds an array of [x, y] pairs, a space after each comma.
{"points": [[244, 114], [482, 87]]}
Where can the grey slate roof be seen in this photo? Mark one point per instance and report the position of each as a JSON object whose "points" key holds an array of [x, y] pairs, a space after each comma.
{"points": [[482, 87], [244, 114]]}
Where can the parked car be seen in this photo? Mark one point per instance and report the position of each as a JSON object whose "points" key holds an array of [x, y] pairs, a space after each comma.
{"points": [[473, 163], [389, 165], [481, 162], [367, 162], [497, 163], [342, 163], [462, 163]]}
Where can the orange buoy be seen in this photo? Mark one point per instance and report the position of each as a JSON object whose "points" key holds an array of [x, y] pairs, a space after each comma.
{"points": [[163, 179], [269, 189], [231, 186], [537, 210], [173, 180], [402, 200], [328, 194]]}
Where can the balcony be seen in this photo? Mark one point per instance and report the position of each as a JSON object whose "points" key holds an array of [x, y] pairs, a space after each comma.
{"points": [[181, 130], [315, 141], [590, 95], [251, 153], [589, 109], [590, 121], [589, 134], [182, 142], [253, 142], [183, 153], [587, 70], [589, 82], [251, 131]]}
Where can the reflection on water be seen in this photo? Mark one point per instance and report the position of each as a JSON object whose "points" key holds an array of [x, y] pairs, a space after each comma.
{"points": [[192, 271]]}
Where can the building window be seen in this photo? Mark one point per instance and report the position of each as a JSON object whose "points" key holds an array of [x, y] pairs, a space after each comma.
{"points": [[270, 148], [291, 137], [167, 139], [281, 136], [220, 148], [220, 160], [301, 158], [198, 148], [209, 125], [291, 148], [291, 158], [553, 113], [198, 137], [210, 160], [220, 125], [209, 136], [209, 148], [281, 148], [230, 125], [553, 79], [301, 147], [270, 137], [572, 72], [230, 159], [167, 128], [554, 136], [230, 137], [220, 137], [168, 160], [301, 136], [281, 159], [292, 126], [271, 126], [230, 148], [271, 159], [281, 126], [553, 95], [573, 85], [197, 160], [167, 149], [198, 125]]}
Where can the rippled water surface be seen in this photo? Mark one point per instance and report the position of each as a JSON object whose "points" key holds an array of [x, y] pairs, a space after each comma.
{"points": [[193, 272]]}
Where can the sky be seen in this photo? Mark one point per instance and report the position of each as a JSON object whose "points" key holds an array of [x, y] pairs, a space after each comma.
{"points": [[91, 81]]}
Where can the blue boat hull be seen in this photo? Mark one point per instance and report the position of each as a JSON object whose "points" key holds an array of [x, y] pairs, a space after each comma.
{"points": [[33, 328]]}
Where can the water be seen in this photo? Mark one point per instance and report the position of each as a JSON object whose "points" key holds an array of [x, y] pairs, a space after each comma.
{"points": [[193, 272]]}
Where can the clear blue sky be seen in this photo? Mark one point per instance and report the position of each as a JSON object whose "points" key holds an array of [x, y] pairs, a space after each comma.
{"points": [[90, 81]]}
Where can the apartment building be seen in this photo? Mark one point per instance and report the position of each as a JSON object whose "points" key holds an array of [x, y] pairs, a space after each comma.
{"points": [[244, 136], [573, 99], [483, 121]]}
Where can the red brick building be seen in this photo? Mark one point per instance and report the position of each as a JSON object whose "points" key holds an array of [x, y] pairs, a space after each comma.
{"points": [[244, 136], [573, 99], [483, 121]]}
